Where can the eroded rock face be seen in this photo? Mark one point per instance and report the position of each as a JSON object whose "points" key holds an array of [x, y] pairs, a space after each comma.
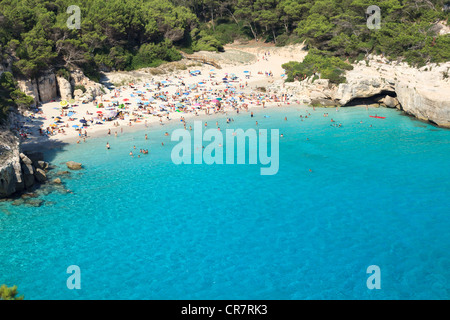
{"points": [[423, 93], [47, 86], [360, 88], [29, 87], [65, 88], [425, 104], [93, 89], [10, 164]]}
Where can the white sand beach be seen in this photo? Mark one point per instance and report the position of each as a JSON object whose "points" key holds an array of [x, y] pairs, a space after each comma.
{"points": [[161, 98]]}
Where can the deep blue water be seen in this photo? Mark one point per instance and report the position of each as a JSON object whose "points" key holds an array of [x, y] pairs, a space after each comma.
{"points": [[145, 228]]}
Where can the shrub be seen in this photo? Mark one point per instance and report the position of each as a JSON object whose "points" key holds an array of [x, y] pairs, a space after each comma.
{"points": [[80, 87], [318, 62]]}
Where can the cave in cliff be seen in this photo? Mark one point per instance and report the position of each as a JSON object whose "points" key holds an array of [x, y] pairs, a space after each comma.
{"points": [[376, 99]]}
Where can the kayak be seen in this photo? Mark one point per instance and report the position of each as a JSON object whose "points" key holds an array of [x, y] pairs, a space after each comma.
{"points": [[378, 117]]}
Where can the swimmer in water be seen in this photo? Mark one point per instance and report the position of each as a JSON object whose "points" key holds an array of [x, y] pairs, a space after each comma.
{"points": [[281, 135], [166, 134], [256, 122], [146, 138], [131, 153], [107, 146]]}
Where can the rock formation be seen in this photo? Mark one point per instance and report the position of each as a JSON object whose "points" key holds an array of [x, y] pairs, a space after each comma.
{"points": [[423, 93], [18, 171], [47, 86], [72, 165], [65, 88]]}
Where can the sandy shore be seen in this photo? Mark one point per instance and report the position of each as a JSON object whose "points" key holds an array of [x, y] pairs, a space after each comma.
{"points": [[196, 93]]}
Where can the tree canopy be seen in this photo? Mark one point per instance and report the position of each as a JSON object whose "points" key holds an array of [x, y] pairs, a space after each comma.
{"points": [[125, 35]]}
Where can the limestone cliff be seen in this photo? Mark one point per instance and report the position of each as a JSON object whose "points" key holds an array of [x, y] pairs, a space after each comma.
{"points": [[423, 93]]}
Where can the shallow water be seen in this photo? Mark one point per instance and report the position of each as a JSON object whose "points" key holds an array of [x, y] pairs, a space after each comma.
{"points": [[149, 229]]}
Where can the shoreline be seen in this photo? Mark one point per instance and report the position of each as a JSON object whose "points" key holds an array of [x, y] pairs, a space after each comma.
{"points": [[102, 132]]}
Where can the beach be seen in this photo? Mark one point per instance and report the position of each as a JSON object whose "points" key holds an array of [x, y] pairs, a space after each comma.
{"points": [[159, 99]]}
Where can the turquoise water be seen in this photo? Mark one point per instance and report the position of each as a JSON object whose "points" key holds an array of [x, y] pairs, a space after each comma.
{"points": [[148, 229]]}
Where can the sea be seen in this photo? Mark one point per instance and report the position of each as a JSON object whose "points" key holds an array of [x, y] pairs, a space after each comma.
{"points": [[370, 192]]}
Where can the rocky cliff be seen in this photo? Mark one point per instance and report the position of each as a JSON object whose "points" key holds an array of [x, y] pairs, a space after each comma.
{"points": [[10, 166], [423, 93], [18, 171], [49, 87]]}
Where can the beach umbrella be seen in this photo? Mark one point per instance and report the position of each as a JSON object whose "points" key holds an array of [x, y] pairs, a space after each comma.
{"points": [[220, 99], [63, 103], [99, 112], [83, 121], [126, 99], [151, 99], [75, 126], [72, 101]]}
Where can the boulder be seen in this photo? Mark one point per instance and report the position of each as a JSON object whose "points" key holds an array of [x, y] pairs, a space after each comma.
{"points": [[72, 165], [390, 102], [25, 159], [62, 173], [41, 165], [57, 181], [78, 94], [28, 175], [34, 202], [29, 195], [40, 175]]}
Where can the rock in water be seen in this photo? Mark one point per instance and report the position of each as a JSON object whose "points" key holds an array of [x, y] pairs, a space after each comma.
{"points": [[28, 175], [40, 175], [72, 165], [57, 181], [42, 165], [62, 173], [25, 159], [34, 202]]}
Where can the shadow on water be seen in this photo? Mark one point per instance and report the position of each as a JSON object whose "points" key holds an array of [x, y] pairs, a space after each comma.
{"points": [[39, 143]]}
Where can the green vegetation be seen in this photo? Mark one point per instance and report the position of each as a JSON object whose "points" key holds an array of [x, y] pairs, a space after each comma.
{"points": [[80, 87], [126, 35], [11, 96], [318, 62], [9, 293]]}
